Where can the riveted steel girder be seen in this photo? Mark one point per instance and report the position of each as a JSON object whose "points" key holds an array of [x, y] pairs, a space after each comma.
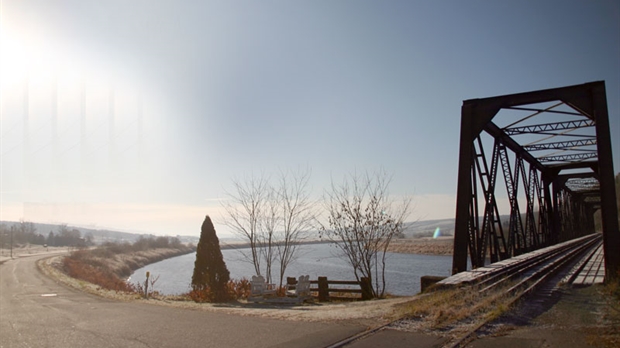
{"points": [[547, 128], [560, 145], [568, 158]]}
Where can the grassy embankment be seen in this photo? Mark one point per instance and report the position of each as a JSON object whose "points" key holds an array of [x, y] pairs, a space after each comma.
{"points": [[109, 265]]}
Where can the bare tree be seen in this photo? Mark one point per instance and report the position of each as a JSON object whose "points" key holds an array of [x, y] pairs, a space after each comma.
{"points": [[363, 219], [297, 216], [270, 221], [26, 227], [273, 219], [245, 209]]}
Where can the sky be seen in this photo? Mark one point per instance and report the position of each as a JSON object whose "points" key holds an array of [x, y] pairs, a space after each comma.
{"points": [[137, 115]]}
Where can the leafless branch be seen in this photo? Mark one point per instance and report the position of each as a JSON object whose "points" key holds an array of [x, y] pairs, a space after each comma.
{"points": [[363, 219]]}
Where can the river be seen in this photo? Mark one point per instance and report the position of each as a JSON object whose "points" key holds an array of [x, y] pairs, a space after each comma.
{"points": [[403, 271]]}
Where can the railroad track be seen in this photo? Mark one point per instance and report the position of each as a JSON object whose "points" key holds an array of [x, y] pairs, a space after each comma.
{"points": [[517, 277], [531, 275], [539, 267]]}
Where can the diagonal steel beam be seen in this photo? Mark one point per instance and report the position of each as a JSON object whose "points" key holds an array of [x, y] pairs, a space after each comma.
{"points": [[548, 110], [510, 143]]}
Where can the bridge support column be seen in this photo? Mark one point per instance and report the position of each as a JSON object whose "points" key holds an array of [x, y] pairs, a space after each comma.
{"points": [[609, 207]]}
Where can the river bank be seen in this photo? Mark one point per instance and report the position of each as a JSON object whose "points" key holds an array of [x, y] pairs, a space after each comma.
{"points": [[123, 265], [124, 270], [595, 324], [366, 313], [424, 246]]}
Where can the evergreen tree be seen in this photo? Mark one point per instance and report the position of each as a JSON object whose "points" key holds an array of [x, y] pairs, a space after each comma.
{"points": [[210, 271]]}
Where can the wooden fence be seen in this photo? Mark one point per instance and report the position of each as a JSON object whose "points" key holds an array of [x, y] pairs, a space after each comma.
{"points": [[324, 288]]}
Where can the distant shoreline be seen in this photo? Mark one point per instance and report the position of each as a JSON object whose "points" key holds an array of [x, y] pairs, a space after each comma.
{"points": [[242, 245], [425, 246]]}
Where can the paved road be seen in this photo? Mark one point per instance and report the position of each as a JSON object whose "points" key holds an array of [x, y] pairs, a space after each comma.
{"points": [[69, 318]]}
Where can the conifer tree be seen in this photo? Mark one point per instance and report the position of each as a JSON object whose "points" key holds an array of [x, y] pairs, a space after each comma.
{"points": [[210, 271]]}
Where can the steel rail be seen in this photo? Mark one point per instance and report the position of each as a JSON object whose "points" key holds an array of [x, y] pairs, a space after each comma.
{"points": [[550, 262], [532, 281], [551, 268], [571, 278], [529, 264], [517, 266]]}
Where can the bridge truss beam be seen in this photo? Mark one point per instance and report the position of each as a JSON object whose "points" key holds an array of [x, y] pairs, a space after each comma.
{"points": [[554, 165]]}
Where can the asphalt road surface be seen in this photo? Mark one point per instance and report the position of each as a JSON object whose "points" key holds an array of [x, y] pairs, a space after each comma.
{"points": [[35, 311]]}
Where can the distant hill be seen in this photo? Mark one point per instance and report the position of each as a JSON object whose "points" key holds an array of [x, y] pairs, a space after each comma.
{"points": [[416, 229], [427, 228], [99, 235]]}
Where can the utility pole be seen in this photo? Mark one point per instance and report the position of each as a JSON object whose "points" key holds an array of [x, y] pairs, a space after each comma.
{"points": [[12, 229]]}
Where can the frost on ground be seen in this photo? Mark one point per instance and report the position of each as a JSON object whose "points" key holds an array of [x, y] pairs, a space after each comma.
{"points": [[372, 313], [369, 313]]}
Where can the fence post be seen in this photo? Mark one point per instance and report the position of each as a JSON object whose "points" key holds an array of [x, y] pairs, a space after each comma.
{"points": [[146, 285], [366, 288], [291, 283], [323, 289]]}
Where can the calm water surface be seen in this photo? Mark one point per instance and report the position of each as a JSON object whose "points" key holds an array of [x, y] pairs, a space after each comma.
{"points": [[403, 271]]}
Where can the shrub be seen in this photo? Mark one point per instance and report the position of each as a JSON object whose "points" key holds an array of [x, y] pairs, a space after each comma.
{"points": [[235, 290], [201, 295], [80, 269], [239, 289]]}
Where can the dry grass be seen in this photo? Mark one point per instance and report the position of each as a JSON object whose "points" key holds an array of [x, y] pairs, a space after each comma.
{"points": [[78, 265], [108, 266], [612, 290], [52, 267], [448, 307], [608, 335]]}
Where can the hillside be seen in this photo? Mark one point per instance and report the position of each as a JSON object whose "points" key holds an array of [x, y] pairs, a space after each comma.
{"points": [[99, 235], [427, 228]]}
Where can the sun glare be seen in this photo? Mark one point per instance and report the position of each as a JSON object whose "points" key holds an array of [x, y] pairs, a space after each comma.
{"points": [[24, 56], [14, 57]]}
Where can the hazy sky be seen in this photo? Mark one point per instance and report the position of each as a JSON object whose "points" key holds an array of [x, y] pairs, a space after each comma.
{"points": [[157, 105]]}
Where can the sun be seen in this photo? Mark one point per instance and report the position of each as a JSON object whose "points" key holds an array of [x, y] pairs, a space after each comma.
{"points": [[15, 56], [24, 55]]}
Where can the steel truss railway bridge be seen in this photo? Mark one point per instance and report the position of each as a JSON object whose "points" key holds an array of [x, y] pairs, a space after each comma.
{"points": [[533, 169]]}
